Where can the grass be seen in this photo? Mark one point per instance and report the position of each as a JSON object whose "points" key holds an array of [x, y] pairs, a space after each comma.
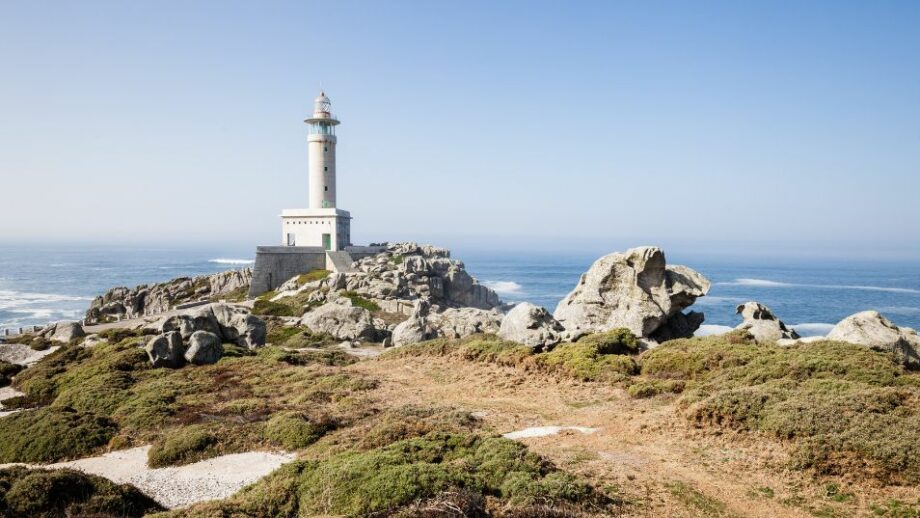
{"points": [[695, 499], [182, 446], [599, 357], [313, 276], [361, 302], [32, 340], [402, 474], [296, 337], [114, 384], [37, 492], [52, 434], [274, 309], [297, 430], [7, 371], [842, 407]]}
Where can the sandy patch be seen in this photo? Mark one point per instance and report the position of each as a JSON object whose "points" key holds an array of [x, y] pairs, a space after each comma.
{"points": [[543, 431], [211, 479]]}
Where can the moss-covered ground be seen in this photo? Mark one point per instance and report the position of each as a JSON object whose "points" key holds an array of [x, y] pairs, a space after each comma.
{"points": [[60, 493]]}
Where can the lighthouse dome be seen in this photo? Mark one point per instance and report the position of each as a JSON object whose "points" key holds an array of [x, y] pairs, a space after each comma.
{"points": [[322, 104]]}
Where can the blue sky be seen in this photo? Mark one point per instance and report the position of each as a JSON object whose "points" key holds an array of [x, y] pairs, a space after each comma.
{"points": [[744, 127]]}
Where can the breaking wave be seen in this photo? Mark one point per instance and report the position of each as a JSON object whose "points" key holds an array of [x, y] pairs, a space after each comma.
{"points": [[17, 299], [764, 283], [504, 287], [222, 260]]}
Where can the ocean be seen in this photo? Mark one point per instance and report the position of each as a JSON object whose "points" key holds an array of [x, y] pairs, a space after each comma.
{"points": [[40, 284]]}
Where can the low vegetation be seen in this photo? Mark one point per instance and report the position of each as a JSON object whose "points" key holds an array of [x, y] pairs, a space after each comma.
{"points": [[110, 395], [482, 474], [37, 492], [358, 301], [32, 340], [52, 434], [843, 407]]}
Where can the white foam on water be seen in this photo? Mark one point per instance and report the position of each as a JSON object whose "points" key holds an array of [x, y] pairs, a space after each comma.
{"points": [[899, 310], [765, 283], [504, 287], [222, 260], [10, 299], [812, 328], [543, 431], [712, 330]]}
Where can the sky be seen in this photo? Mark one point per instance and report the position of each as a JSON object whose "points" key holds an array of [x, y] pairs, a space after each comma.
{"points": [[738, 127]]}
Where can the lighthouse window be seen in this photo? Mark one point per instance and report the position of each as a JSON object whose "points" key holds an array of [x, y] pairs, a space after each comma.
{"points": [[326, 188], [325, 168], [325, 148]]}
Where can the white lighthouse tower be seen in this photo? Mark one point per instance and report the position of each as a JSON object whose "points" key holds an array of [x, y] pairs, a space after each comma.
{"points": [[322, 224]]}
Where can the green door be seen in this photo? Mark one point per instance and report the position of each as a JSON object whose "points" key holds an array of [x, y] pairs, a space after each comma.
{"points": [[327, 241]]}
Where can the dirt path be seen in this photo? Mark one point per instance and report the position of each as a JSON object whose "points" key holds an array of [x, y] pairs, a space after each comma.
{"points": [[659, 463]]}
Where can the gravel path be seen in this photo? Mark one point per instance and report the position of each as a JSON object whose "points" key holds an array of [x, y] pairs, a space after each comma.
{"points": [[172, 487], [543, 431]]}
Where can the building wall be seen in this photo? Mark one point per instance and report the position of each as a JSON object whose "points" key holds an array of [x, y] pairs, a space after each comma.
{"points": [[309, 230], [276, 264]]}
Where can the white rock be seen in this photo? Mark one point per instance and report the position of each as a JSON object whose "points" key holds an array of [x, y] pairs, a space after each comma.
{"points": [[871, 329], [532, 326]]}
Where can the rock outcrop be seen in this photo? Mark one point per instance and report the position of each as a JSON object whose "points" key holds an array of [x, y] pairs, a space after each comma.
{"points": [[453, 323], [63, 331], [871, 329], [416, 328], [166, 350], [409, 271], [532, 326], [636, 290], [197, 335], [762, 324], [342, 321], [152, 299], [204, 348]]}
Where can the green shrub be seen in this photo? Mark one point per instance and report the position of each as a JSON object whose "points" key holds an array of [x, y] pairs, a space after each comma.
{"points": [[36, 492], [276, 309], [361, 302], [616, 341], [313, 276], [652, 387], [7, 371], [482, 348], [296, 430], [585, 360], [182, 446], [51, 434]]}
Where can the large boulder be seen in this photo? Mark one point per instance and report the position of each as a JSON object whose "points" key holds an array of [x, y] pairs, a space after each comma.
{"points": [[871, 329], [166, 350], [341, 321], [462, 322], [416, 328], [636, 290], [762, 324], [64, 331], [204, 348], [532, 326], [234, 324]]}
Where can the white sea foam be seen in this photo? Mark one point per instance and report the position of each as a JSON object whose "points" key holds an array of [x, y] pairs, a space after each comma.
{"points": [[899, 310], [222, 260], [765, 283], [504, 287], [812, 328], [16, 299], [713, 300]]}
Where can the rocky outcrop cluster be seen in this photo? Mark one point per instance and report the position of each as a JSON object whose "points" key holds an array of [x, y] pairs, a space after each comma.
{"points": [[532, 326], [63, 331], [871, 329], [409, 271], [423, 324], [637, 290], [762, 324], [119, 303], [197, 336]]}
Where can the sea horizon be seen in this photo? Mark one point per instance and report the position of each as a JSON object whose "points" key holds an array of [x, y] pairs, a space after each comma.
{"points": [[44, 283]]}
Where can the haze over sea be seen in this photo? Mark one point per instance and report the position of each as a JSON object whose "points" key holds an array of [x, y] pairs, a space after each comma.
{"points": [[39, 284]]}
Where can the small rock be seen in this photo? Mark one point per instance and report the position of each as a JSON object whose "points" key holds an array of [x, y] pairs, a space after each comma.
{"points": [[871, 329], [762, 324], [532, 326], [66, 331]]}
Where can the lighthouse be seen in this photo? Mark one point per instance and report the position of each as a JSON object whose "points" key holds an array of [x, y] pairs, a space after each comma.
{"points": [[319, 236], [321, 148], [322, 224]]}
